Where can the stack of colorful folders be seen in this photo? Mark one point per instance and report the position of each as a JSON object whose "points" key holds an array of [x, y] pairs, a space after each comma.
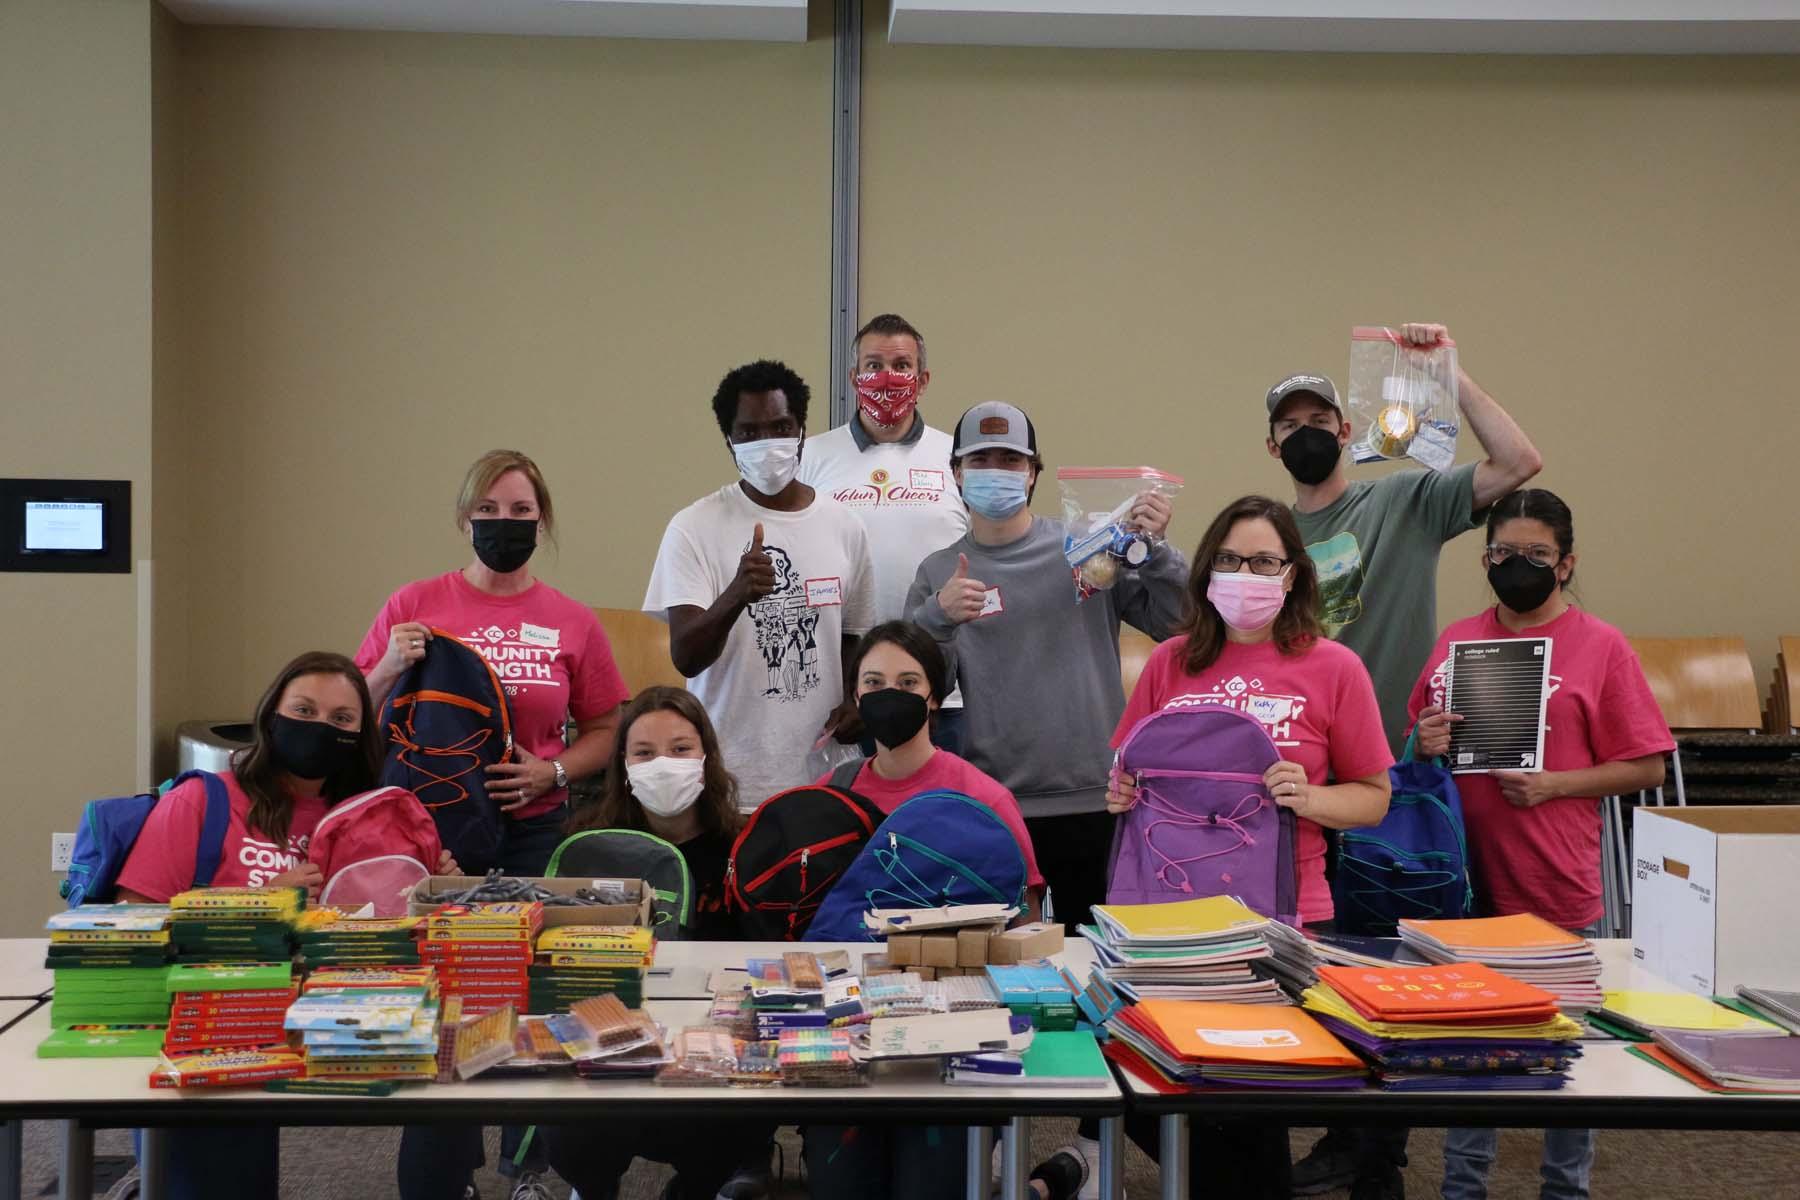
{"points": [[1526, 947], [1183, 950], [1179, 1045], [1641, 1015], [1463, 1027], [235, 924], [482, 952], [227, 1006], [330, 939], [576, 962], [1729, 1063], [368, 1024], [109, 962]]}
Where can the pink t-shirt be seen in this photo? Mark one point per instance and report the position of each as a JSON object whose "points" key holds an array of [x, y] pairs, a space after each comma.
{"points": [[548, 650], [944, 771], [161, 862], [1546, 859], [1318, 705]]}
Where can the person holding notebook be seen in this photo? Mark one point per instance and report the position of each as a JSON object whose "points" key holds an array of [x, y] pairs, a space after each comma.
{"points": [[1534, 837]]}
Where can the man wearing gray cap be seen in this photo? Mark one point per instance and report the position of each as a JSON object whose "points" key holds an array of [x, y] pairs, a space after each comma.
{"points": [[1375, 543]]}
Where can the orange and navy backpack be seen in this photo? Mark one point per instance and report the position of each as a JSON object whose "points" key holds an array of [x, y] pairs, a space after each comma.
{"points": [[446, 722]]}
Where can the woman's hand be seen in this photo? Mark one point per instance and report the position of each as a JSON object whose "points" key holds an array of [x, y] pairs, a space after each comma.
{"points": [[1527, 789], [1121, 792], [515, 784], [306, 875], [406, 645], [1286, 782], [446, 864], [1431, 736]]}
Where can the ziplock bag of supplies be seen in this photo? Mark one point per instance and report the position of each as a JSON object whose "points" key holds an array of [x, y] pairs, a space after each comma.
{"points": [[1403, 399], [1100, 541]]}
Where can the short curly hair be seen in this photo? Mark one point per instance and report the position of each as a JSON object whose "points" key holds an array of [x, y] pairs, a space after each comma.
{"points": [[763, 375]]}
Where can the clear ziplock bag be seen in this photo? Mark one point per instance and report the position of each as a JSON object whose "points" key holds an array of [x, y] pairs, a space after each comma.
{"points": [[1099, 541], [1403, 399]]}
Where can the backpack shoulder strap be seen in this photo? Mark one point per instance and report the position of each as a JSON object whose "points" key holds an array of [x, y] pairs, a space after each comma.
{"points": [[844, 777], [211, 850]]}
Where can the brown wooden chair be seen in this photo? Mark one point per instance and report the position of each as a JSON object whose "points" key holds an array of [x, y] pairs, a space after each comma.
{"points": [[1785, 689], [640, 645], [1703, 683]]}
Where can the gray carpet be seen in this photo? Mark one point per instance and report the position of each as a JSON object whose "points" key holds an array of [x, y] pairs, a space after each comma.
{"points": [[357, 1164]]}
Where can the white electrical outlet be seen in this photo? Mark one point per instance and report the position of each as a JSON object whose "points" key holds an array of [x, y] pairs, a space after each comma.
{"points": [[62, 849]]}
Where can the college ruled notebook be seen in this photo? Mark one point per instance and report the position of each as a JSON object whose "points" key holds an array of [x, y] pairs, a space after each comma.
{"points": [[1499, 688], [1461, 993]]}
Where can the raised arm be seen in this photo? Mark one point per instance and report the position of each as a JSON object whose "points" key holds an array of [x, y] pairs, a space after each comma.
{"points": [[1512, 459]]}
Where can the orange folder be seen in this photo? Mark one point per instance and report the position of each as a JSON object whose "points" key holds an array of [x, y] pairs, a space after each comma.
{"points": [[1246, 1033], [1455, 993], [1522, 931]]}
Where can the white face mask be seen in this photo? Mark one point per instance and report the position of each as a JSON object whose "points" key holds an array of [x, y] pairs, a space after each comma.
{"points": [[667, 787], [768, 465]]}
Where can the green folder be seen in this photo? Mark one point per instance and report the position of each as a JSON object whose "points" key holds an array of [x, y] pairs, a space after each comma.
{"points": [[1065, 1060]]}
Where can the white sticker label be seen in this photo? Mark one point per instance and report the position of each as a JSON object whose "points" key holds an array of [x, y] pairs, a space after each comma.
{"points": [[990, 603], [1434, 448], [926, 481], [537, 635], [822, 593], [1248, 1039]]}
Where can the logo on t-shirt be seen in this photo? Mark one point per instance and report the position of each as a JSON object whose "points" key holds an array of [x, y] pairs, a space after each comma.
{"points": [[787, 629], [263, 862], [521, 656], [1338, 560], [922, 487], [1276, 713]]}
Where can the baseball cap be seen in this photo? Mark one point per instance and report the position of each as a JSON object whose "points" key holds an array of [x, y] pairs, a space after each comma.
{"points": [[994, 426], [1313, 385]]}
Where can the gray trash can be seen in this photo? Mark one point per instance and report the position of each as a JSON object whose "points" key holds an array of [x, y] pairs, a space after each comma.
{"points": [[209, 745]]}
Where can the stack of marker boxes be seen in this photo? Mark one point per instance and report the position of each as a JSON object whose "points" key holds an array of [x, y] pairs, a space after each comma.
{"points": [[330, 939], [109, 962], [227, 1006], [575, 962], [369, 1023], [483, 952], [235, 924]]}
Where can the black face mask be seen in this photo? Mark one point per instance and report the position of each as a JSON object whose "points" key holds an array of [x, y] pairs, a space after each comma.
{"points": [[1521, 584], [504, 544], [312, 749], [892, 716], [1310, 454]]}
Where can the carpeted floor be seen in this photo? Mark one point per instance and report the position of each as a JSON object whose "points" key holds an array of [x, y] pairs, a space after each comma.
{"points": [[357, 1164]]}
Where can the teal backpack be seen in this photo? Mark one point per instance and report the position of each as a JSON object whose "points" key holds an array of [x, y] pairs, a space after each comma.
{"points": [[633, 854]]}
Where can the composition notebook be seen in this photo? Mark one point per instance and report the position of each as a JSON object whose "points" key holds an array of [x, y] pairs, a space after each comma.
{"points": [[1499, 688]]}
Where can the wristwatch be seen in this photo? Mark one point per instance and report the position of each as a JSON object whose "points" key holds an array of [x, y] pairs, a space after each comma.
{"points": [[562, 775]]}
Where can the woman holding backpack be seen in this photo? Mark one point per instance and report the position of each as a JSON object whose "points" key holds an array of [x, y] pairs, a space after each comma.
{"points": [[1534, 838], [555, 663]]}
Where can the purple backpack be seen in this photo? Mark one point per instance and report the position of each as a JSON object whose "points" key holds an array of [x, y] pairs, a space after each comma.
{"points": [[1203, 825]]}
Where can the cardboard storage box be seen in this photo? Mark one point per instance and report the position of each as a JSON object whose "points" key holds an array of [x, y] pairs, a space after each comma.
{"points": [[1025, 943], [937, 950], [1713, 895], [972, 946], [637, 912]]}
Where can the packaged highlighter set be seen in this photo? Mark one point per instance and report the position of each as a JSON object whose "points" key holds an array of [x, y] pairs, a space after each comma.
{"points": [[1403, 400], [1100, 540]]}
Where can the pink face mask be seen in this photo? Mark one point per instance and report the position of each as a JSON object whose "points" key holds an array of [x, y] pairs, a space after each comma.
{"points": [[1247, 602], [887, 397]]}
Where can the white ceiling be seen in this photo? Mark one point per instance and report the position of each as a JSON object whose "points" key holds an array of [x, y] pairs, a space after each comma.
{"points": [[720, 20], [1413, 26]]}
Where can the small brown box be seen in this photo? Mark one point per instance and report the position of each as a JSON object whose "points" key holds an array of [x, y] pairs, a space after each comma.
{"points": [[903, 949], [924, 972], [1025, 943], [937, 950], [972, 947], [877, 964]]}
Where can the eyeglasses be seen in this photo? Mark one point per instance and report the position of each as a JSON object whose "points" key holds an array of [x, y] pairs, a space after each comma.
{"points": [[1536, 555], [1260, 564]]}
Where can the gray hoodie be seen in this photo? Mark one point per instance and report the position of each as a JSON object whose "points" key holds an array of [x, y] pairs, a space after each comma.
{"points": [[1040, 677]]}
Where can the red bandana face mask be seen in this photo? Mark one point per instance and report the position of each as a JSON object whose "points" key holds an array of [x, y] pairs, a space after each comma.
{"points": [[887, 397]]}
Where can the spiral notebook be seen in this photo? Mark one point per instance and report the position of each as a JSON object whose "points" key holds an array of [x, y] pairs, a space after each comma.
{"points": [[1499, 688]]}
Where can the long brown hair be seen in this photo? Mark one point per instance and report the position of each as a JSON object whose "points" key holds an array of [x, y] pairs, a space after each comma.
{"points": [[617, 808], [1298, 625], [255, 769]]}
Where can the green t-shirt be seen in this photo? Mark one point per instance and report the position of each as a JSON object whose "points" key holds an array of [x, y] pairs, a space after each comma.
{"points": [[1376, 550]]}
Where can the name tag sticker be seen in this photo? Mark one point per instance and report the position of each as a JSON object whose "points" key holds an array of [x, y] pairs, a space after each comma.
{"points": [[929, 481], [537, 635], [823, 593], [991, 603]]}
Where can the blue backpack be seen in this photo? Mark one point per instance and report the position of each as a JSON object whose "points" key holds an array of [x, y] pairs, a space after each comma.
{"points": [[938, 848], [1414, 864], [446, 722], [110, 828]]}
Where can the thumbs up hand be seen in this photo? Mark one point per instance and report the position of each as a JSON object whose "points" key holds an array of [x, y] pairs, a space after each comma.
{"points": [[756, 571], [961, 597]]}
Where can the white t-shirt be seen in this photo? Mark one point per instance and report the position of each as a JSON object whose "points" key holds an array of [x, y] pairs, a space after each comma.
{"points": [[781, 673], [904, 494]]}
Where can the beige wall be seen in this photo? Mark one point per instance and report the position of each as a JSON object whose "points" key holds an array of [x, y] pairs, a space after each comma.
{"points": [[1134, 246], [75, 247]]}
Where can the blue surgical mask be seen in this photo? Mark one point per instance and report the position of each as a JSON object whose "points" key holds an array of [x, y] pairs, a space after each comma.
{"points": [[995, 495]]}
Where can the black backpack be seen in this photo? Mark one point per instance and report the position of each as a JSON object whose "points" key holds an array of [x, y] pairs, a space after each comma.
{"points": [[788, 855], [633, 854], [446, 722]]}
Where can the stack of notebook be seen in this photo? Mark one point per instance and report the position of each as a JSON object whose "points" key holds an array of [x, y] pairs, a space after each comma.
{"points": [[1728, 1063], [1179, 1045], [368, 1024], [235, 924], [1783, 1008], [1641, 1015], [482, 952], [575, 962], [227, 1006], [1069, 1059], [330, 939], [109, 962], [1526, 947], [1184, 950], [1462, 1027]]}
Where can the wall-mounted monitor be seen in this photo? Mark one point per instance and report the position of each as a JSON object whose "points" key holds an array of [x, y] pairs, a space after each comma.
{"points": [[81, 525]]}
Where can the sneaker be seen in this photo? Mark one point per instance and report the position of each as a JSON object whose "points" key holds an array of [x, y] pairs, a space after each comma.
{"points": [[1087, 1151], [128, 1187], [531, 1186], [746, 1183], [1328, 1166], [1385, 1184], [1063, 1174]]}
